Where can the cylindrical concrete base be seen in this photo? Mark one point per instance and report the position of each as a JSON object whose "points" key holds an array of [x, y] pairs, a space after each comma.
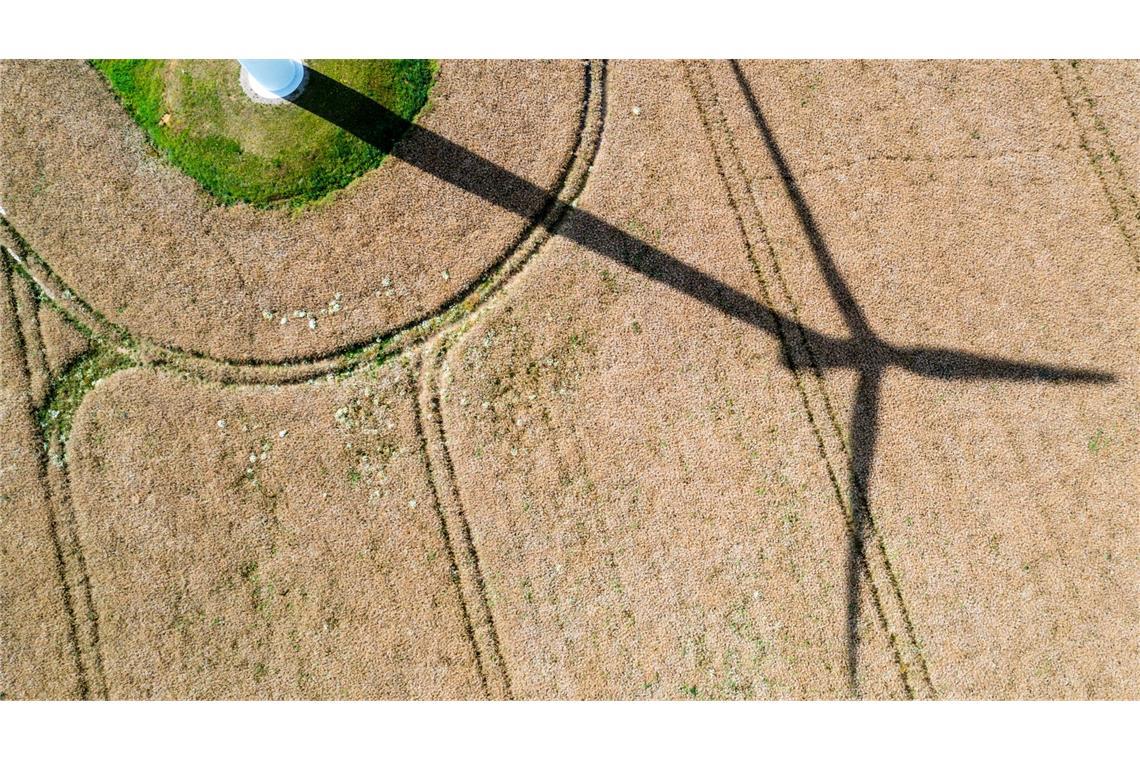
{"points": [[271, 80]]}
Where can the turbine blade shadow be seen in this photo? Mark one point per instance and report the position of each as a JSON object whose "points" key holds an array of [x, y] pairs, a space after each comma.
{"points": [[864, 430], [382, 128], [964, 365], [840, 293], [863, 351]]}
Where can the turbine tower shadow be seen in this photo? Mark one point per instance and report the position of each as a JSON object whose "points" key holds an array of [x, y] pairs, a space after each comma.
{"points": [[862, 351]]}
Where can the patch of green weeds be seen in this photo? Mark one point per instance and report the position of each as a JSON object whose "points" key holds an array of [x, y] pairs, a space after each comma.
{"points": [[609, 280], [258, 592], [69, 389]]}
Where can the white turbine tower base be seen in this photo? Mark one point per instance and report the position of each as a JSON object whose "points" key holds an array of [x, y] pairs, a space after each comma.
{"points": [[272, 80]]}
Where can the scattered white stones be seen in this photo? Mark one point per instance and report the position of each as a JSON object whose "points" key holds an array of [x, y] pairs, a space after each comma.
{"points": [[637, 111], [284, 320], [221, 424], [299, 313], [446, 275], [312, 323], [412, 503], [267, 315], [253, 458], [386, 282]]}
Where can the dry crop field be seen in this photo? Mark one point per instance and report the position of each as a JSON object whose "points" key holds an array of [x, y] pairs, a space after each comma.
{"points": [[615, 380]]}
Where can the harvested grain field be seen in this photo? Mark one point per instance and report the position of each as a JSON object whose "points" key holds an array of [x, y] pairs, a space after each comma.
{"points": [[616, 380]]}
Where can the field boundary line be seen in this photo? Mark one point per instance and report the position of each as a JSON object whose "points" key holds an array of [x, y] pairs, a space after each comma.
{"points": [[1094, 139], [890, 607]]}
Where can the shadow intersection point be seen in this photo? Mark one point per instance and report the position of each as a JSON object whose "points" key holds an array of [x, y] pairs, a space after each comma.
{"points": [[862, 351]]}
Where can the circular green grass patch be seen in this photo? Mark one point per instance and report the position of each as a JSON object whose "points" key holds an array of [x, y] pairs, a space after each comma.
{"points": [[269, 156]]}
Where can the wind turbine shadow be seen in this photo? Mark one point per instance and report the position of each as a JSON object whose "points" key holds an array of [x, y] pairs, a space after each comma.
{"points": [[863, 350]]}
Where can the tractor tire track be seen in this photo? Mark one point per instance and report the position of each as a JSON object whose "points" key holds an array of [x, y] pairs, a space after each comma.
{"points": [[79, 584], [467, 566], [1094, 140], [912, 650], [83, 681], [886, 594], [27, 313], [404, 337], [76, 585], [77, 580], [445, 531]]}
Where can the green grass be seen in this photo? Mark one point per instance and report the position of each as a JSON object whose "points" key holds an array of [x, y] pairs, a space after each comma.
{"points": [[68, 391], [196, 115]]}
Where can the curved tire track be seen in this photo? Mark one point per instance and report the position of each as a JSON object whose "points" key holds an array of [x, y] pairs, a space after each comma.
{"points": [[74, 578]]}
